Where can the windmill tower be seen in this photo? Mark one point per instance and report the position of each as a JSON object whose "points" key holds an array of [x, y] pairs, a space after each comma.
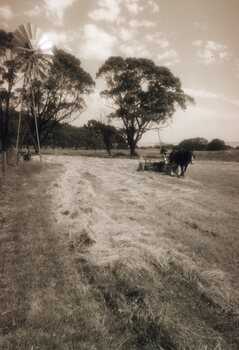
{"points": [[33, 52]]}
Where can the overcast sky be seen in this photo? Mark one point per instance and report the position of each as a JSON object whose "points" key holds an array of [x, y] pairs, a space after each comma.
{"points": [[196, 39]]}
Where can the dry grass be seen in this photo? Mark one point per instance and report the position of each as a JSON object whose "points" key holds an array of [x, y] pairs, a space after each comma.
{"points": [[44, 304], [159, 252], [221, 156], [134, 260]]}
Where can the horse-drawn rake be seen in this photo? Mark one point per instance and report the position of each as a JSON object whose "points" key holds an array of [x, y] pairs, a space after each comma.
{"points": [[158, 165], [168, 164]]}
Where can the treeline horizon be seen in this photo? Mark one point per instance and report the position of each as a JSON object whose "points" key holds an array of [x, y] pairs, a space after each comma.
{"points": [[96, 135], [93, 135]]}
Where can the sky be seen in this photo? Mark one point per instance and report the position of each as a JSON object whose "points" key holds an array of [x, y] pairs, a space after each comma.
{"points": [[196, 40]]}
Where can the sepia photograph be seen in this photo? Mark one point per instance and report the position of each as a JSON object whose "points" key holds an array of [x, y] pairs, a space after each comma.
{"points": [[119, 175]]}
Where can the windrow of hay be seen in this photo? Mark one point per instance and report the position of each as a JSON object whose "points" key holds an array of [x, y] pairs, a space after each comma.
{"points": [[44, 303]]}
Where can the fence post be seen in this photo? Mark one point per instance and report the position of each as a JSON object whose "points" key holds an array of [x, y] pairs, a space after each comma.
{"points": [[4, 161]]}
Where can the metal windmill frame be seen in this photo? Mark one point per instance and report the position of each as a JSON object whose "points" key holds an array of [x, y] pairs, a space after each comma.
{"points": [[33, 52]]}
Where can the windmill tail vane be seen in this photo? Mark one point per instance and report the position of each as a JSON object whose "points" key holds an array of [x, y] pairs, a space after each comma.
{"points": [[33, 50]]}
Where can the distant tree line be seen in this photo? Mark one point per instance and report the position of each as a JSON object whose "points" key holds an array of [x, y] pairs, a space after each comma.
{"points": [[201, 144], [93, 135]]}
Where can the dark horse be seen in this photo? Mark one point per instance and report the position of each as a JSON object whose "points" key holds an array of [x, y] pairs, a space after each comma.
{"points": [[180, 158]]}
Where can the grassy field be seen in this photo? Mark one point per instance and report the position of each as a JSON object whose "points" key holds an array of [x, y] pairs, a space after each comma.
{"points": [[96, 255], [224, 156]]}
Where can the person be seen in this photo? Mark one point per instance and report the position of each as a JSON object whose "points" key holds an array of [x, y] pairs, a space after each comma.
{"points": [[142, 162], [163, 150], [27, 155]]}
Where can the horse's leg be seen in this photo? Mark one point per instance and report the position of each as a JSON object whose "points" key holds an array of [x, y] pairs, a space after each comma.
{"points": [[171, 169], [185, 168], [177, 170], [182, 170]]}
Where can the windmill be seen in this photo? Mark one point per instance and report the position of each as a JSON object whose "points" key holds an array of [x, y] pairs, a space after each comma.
{"points": [[33, 52]]}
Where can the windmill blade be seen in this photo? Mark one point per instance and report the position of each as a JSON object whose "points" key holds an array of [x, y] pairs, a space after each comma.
{"points": [[23, 29], [34, 49], [33, 30], [39, 74], [18, 39], [35, 35], [38, 34], [47, 60], [21, 49], [28, 27], [28, 69], [43, 67], [35, 72], [31, 37]]}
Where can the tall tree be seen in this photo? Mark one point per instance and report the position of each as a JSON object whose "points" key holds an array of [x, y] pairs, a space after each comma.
{"points": [[107, 132], [143, 95], [61, 97], [8, 70]]}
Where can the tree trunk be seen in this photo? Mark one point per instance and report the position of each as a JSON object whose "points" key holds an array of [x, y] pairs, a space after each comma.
{"points": [[6, 119], [108, 148], [132, 146], [6, 131], [1, 127], [4, 161]]}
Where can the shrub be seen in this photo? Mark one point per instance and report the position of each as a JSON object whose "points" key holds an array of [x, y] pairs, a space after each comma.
{"points": [[216, 145], [194, 144]]}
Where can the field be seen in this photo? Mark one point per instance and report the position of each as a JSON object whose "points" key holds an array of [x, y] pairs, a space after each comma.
{"points": [[100, 256], [224, 156]]}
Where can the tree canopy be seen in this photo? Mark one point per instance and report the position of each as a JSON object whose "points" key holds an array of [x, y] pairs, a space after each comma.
{"points": [[61, 97], [58, 98], [216, 145], [110, 135], [143, 95], [8, 70], [194, 144]]}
